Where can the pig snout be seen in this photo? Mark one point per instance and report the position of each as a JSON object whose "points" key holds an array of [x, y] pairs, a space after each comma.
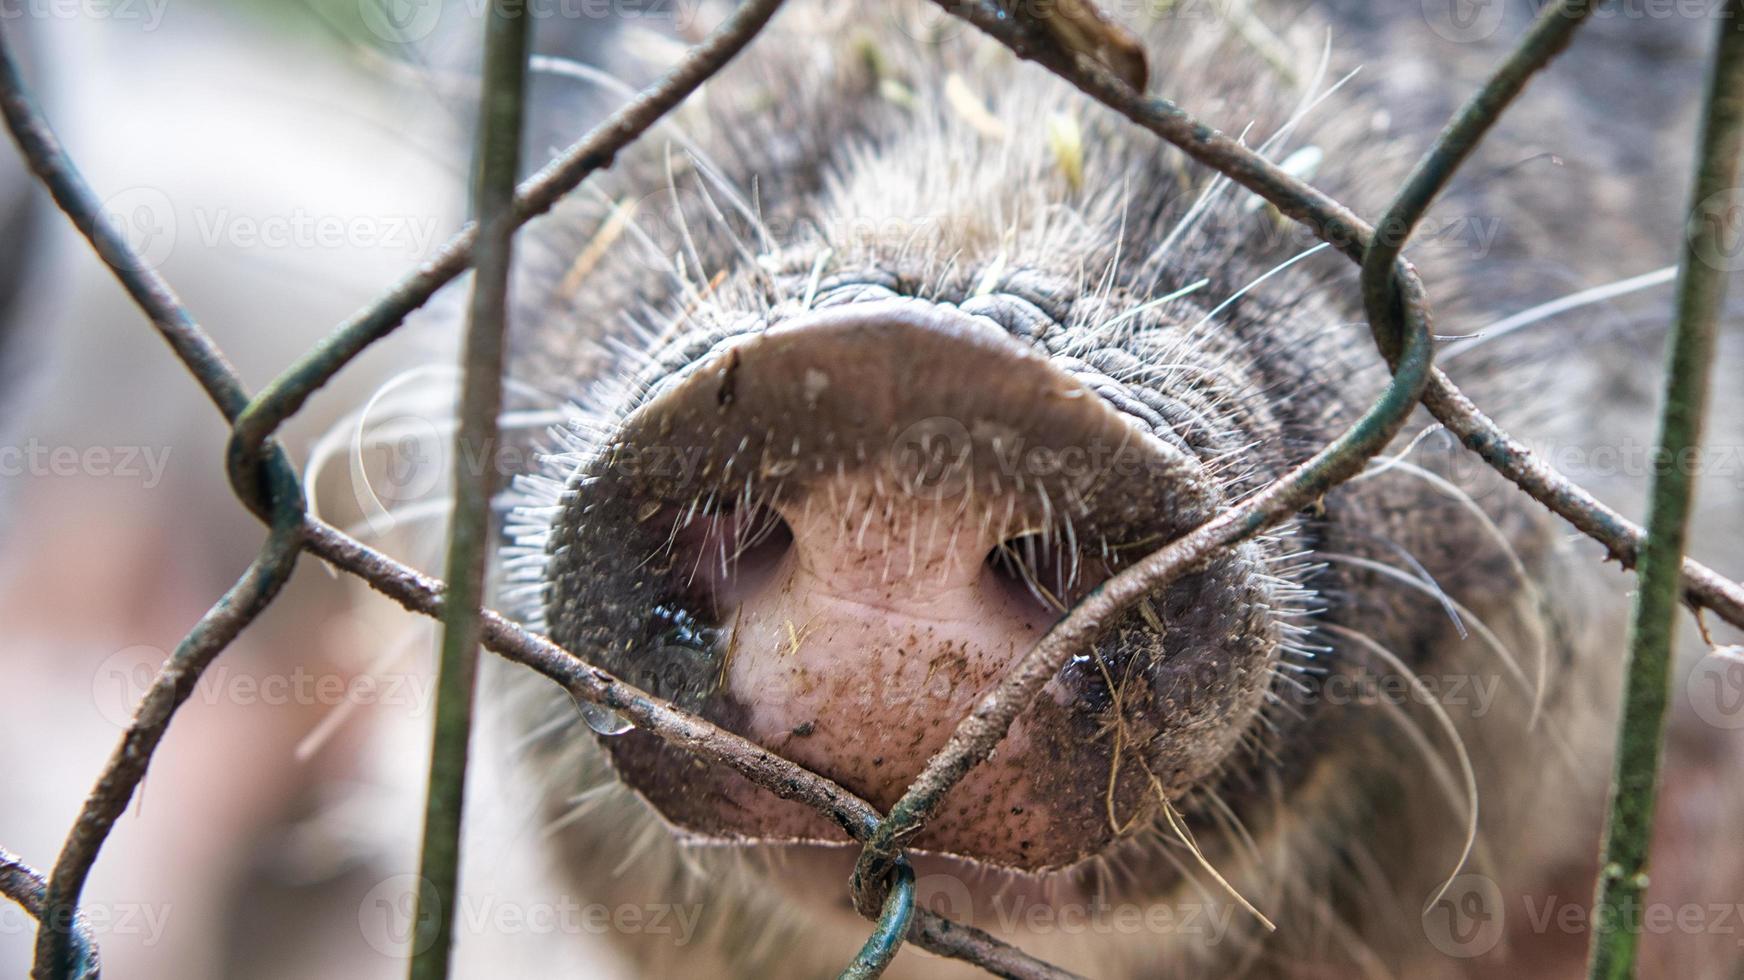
{"points": [[833, 533]]}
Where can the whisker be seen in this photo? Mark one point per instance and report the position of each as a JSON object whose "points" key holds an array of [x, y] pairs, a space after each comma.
{"points": [[1541, 641], [1446, 721], [1483, 630], [1556, 307], [1274, 270]]}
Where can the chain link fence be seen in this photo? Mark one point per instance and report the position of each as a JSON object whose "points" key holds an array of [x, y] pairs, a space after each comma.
{"points": [[1078, 43]]}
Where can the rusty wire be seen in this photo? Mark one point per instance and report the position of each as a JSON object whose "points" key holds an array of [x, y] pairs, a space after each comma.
{"points": [[1701, 294], [883, 885], [507, 42], [26, 886]]}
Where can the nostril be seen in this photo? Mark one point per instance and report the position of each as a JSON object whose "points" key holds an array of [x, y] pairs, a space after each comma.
{"points": [[765, 539], [1034, 569], [732, 554]]}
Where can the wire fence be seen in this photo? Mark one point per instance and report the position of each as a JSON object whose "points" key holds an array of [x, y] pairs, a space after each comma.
{"points": [[1080, 45]]}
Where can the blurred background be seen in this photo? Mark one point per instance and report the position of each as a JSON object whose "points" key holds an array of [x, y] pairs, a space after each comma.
{"points": [[281, 163]]}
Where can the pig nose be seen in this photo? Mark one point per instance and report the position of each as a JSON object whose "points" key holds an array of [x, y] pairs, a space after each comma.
{"points": [[874, 632], [867, 513]]}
